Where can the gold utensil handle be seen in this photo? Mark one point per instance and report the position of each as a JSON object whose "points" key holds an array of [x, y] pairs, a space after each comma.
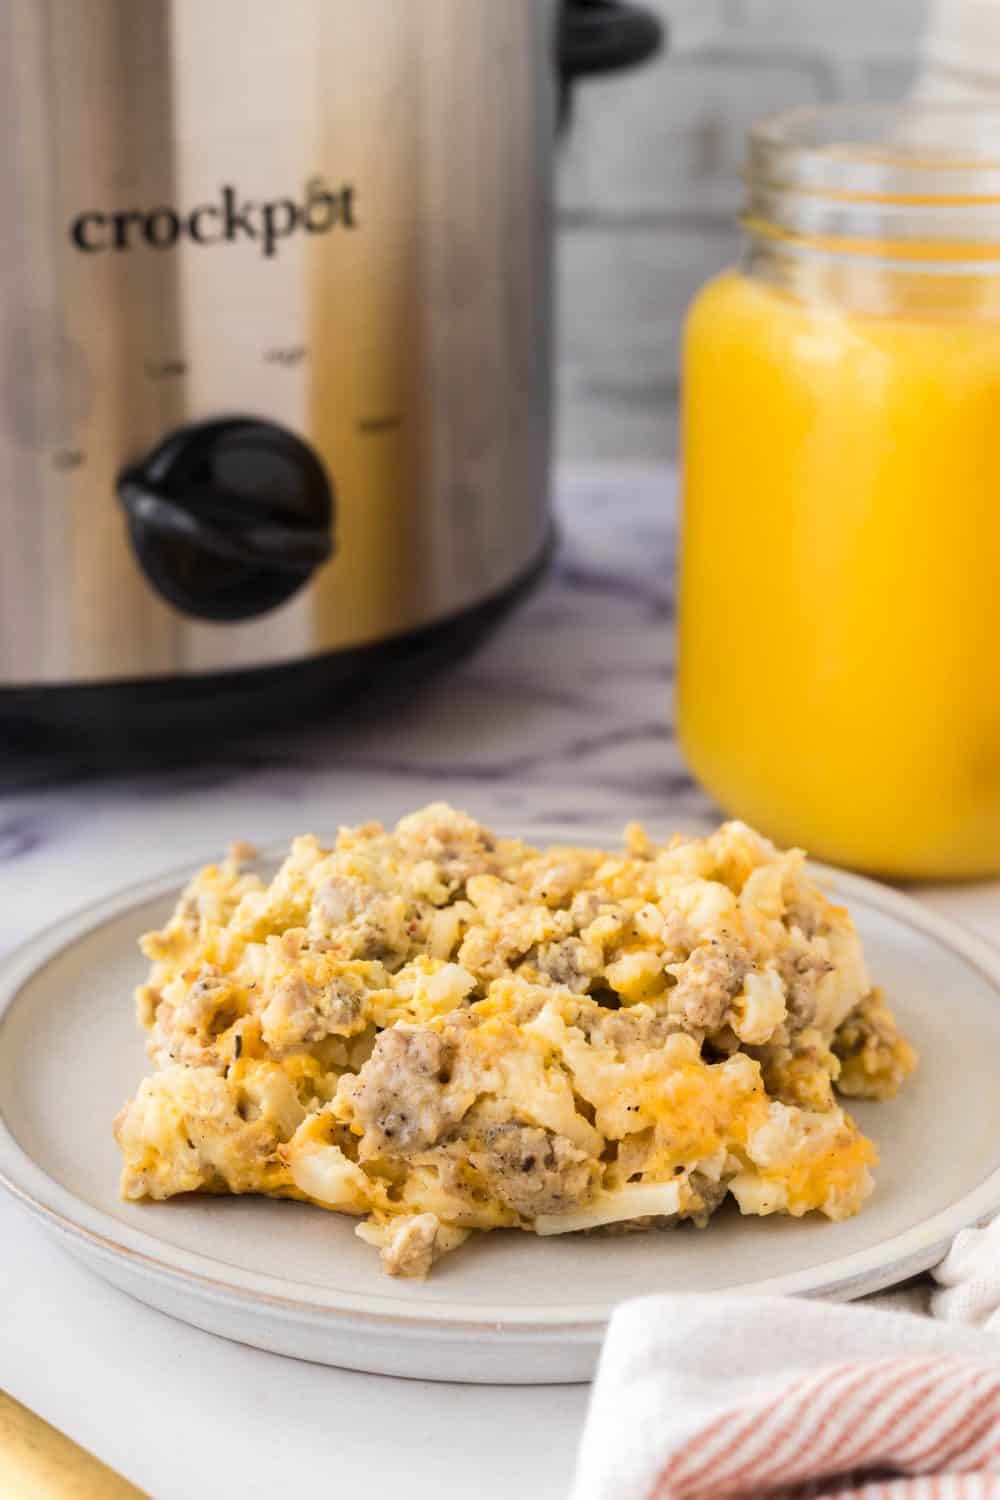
{"points": [[37, 1462]]}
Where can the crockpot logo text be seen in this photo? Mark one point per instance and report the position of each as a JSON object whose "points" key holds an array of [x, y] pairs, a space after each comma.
{"points": [[230, 218]]}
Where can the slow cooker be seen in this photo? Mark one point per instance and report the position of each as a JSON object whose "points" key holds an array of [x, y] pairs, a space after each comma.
{"points": [[274, 337]]}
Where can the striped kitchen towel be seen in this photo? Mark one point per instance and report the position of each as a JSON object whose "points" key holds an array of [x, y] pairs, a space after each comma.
{"points": [[713, 1396]]}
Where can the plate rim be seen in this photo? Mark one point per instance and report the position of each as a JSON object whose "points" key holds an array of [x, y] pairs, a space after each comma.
{"points": [[90, 1230]]}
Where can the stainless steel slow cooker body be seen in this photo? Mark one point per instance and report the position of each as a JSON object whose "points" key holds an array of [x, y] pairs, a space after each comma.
{"points": [[275, 323]]}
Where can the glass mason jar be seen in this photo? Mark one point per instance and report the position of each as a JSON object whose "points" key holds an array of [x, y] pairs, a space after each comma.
{"points": [[839, 656]]}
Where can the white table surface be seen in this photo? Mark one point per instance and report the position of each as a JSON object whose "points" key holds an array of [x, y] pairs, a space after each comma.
{"points": [[576, 686]]}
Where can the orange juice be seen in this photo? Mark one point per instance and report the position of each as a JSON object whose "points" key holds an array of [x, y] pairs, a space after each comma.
{"points": [[839, 670]]}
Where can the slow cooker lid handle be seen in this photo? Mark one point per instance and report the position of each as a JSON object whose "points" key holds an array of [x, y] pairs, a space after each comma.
{"points": [[601, 36]]}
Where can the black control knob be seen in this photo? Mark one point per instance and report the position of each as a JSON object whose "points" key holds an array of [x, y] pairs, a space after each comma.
{"points": [[229, 518]]}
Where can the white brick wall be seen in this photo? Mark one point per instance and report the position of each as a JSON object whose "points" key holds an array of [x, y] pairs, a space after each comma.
{"points": [[649, 188]]}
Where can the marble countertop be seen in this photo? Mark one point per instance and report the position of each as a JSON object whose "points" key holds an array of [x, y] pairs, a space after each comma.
{"points": [[563, 718]]}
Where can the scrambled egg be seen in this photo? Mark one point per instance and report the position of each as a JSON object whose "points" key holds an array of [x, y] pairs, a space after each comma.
{"points": [[440, 1031]]}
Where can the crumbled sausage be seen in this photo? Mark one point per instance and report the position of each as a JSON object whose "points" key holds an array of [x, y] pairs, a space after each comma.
{"points": [[571, 963], [875, 1060], [708, 982], [459, 847], [207, 1003], [709, 1197], [801, 973], [298, 1012], [533, 1171], [398, 1097], [626, 1028]]}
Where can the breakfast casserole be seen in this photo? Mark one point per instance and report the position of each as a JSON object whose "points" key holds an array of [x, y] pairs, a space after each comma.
{"points": [[437, 1030]]}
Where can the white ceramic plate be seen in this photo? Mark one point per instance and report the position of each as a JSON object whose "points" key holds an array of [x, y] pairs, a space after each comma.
{"points": [[507, 1307]]}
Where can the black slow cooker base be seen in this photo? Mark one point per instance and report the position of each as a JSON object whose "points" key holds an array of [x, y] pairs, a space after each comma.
{"points": [[57, 733]]}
